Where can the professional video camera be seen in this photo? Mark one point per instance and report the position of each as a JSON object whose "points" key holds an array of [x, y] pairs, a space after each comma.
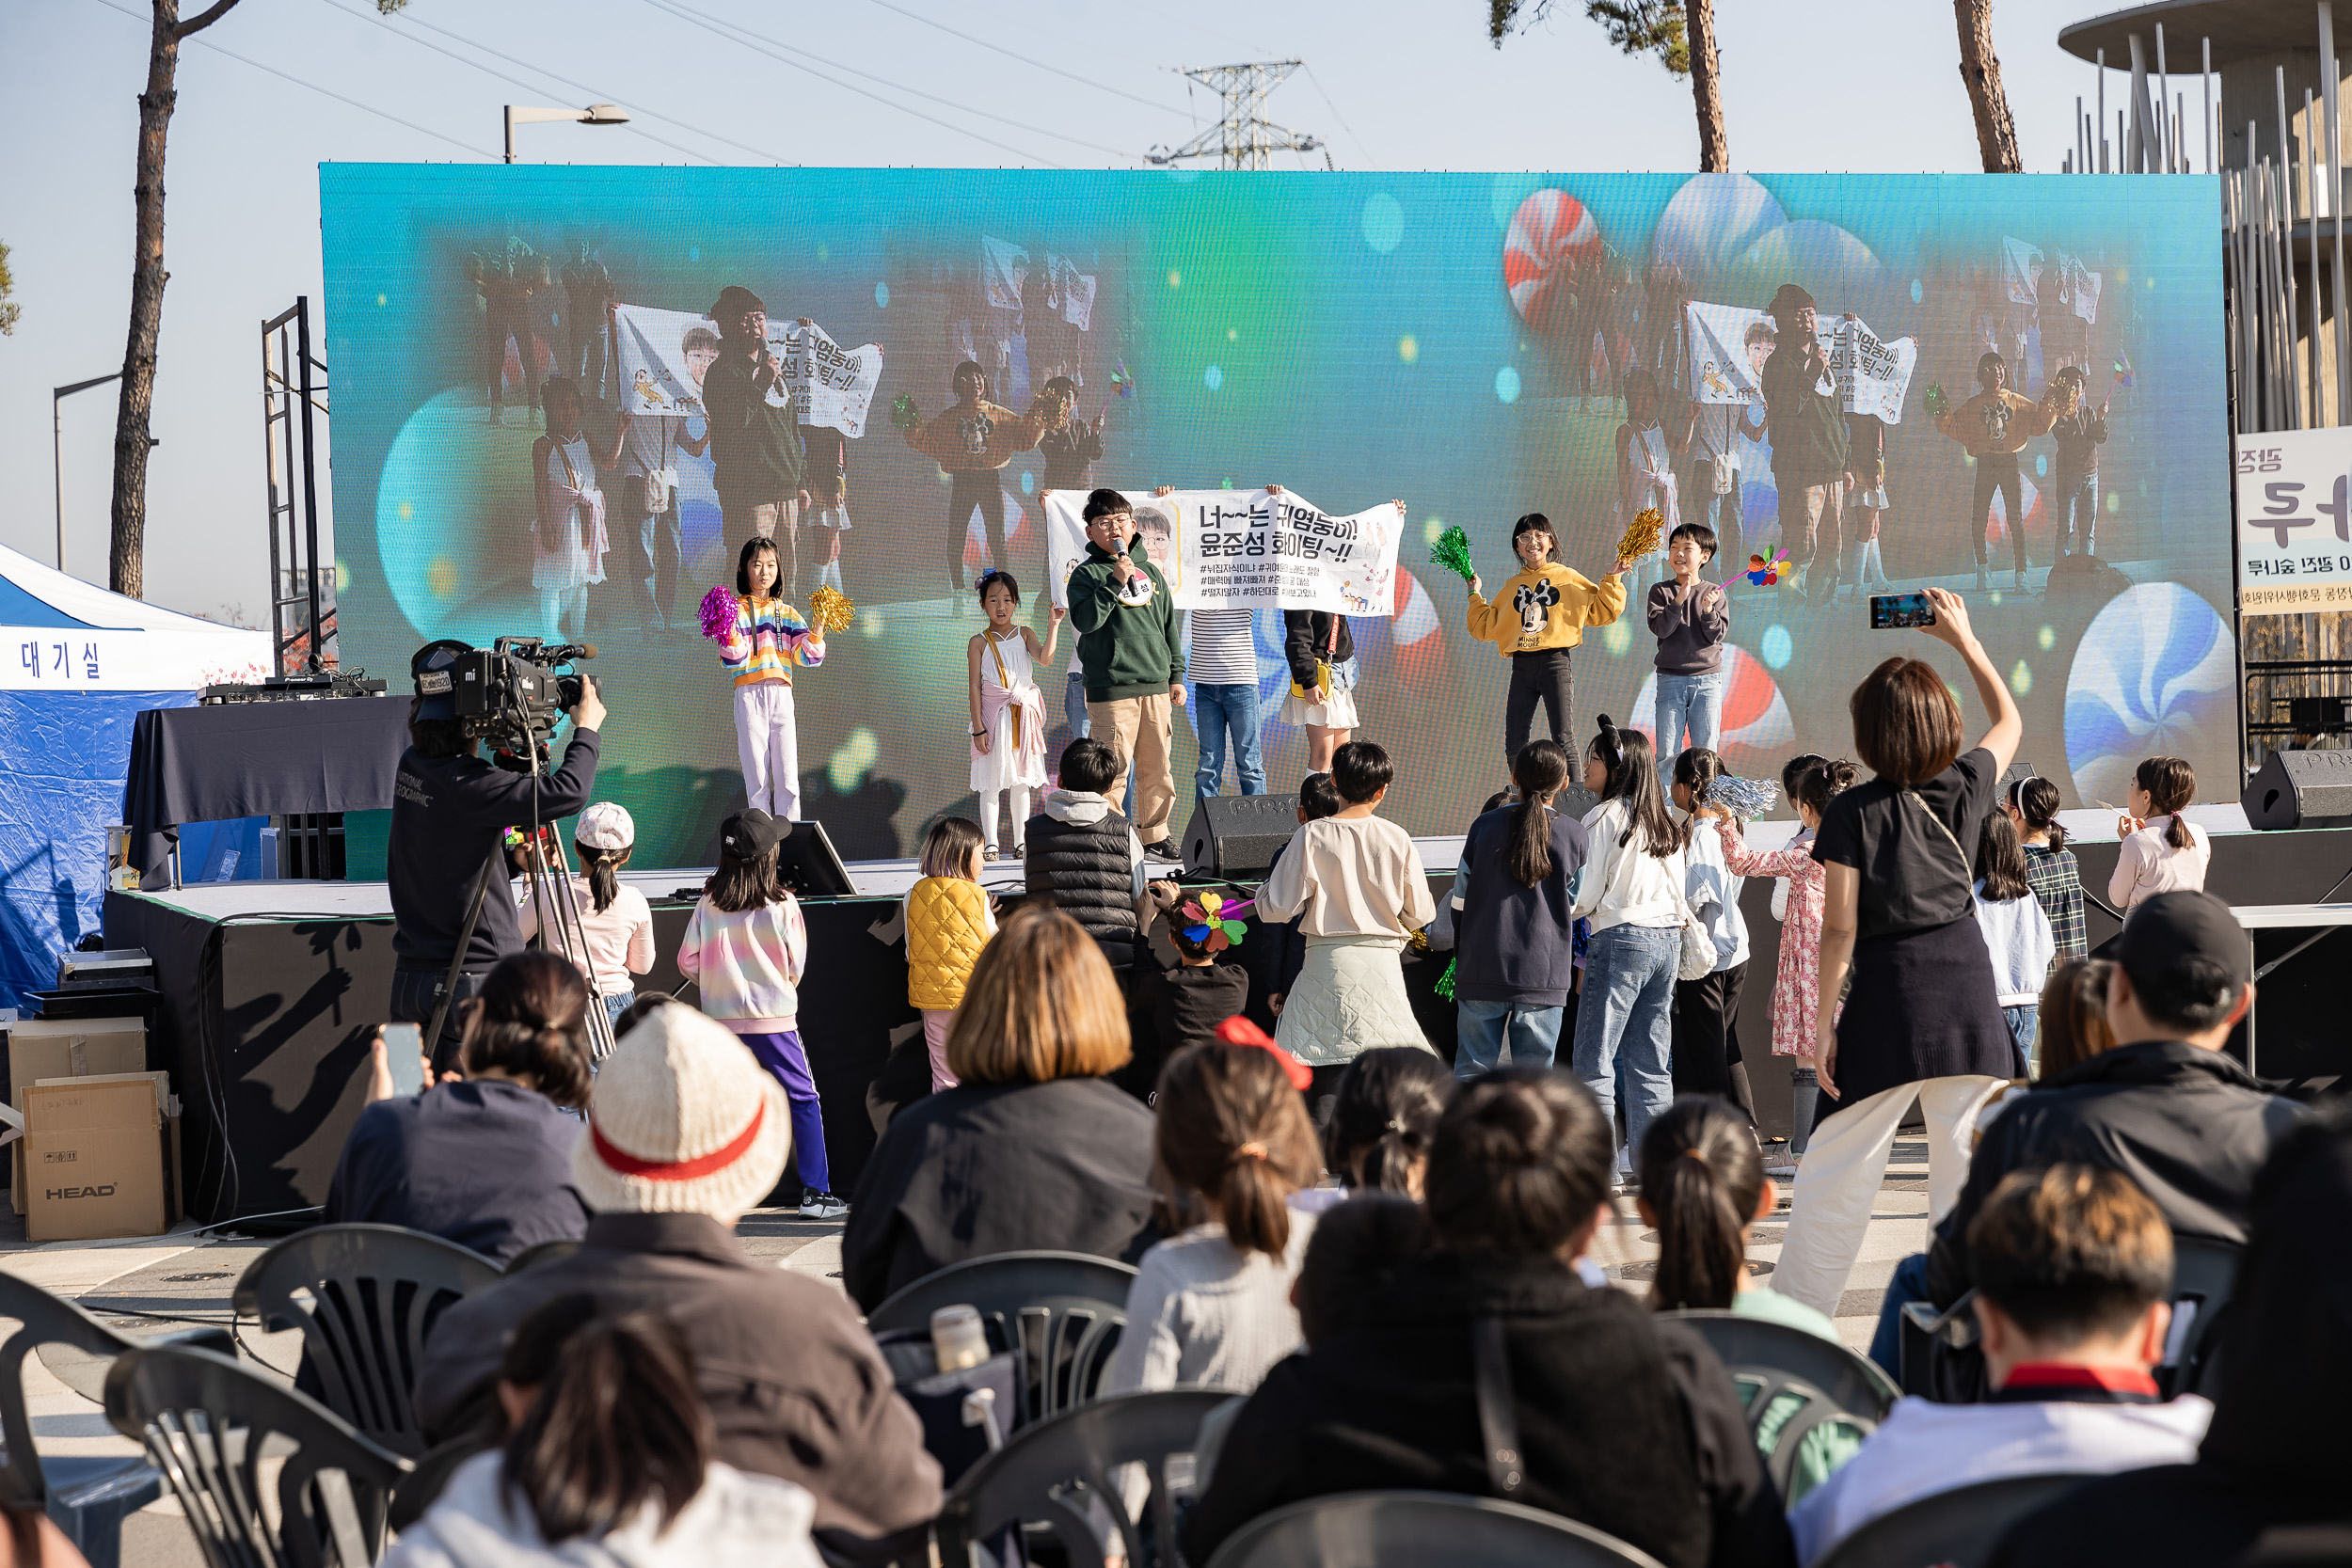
{"points": [[512, 693]]}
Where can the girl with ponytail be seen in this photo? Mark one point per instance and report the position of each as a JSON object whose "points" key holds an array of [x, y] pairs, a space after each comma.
{"points": [[2032, 803], [614, 918], [2163, 850], [1513, 930], [1705, 1014], [607, 1459], [1383, 1120], [1231, 1144], [1703, 1184], [1632, 889]]}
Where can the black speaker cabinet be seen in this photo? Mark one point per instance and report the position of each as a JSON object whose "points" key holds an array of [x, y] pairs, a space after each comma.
{"points": [[1238, 835], [2302, 789]]}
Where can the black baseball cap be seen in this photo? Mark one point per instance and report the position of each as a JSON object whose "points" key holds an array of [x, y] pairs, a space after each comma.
{"points": [[433, 669], [2162, 930], [752, 832]]}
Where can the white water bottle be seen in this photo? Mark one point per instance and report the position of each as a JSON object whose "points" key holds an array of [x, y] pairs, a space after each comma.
{"points": [[958, 1337]]}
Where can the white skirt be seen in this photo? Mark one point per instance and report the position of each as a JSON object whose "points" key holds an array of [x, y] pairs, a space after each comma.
{"points": [[1349, 998], [1337, 714], [1001, 766]]}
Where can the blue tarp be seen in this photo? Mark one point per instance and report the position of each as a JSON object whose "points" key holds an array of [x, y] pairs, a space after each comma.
{"points": [[63, 757]]}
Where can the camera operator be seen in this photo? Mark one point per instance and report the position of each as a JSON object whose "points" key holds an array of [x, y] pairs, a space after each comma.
{"points": [[450, 808]]}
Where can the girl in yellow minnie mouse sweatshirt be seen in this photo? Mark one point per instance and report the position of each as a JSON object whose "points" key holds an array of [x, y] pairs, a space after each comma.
{"points": [[1536, 622]]}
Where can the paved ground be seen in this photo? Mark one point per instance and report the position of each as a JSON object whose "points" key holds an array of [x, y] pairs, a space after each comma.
{"points": [[156, 1286]]}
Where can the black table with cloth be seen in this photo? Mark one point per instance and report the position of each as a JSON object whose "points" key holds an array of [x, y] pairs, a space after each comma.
{"points": [[235, 760]]}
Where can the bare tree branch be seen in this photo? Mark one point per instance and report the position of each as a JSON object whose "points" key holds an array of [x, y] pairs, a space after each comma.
{"points": [[196, 25]]}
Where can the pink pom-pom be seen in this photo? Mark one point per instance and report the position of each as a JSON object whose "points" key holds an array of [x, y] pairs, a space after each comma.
{"points": [[718, 612]]}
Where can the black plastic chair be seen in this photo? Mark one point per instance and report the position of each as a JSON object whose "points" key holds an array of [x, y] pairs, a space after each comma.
{"points": [[1062, 1311], [541, 1252], [1769, 1359], [210, 1426], [1422, 1529], [1952, 1530], [1052, 1472], [364, 1296], [429, 1475], [88, 1495]]}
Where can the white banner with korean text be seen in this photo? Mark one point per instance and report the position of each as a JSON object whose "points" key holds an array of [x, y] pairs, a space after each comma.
{"points": [[2294, 526], [663, 355], [1222, 550]]}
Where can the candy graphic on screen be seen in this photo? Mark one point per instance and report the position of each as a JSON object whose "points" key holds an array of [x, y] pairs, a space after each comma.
{"points": [[1551, 234], [1419, 640], [1711, 219], [1756, 715], [2153, 675]]}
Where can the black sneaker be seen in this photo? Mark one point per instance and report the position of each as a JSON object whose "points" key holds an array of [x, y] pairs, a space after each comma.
{"points": [[822, 1206], [1164, 850]]}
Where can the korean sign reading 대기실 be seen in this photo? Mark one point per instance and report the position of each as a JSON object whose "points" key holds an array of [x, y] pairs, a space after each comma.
{"points": [[2294, 521]]}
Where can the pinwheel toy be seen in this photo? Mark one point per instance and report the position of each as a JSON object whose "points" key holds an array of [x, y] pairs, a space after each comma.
{"points": [[1209, 921], [1764, 573]]}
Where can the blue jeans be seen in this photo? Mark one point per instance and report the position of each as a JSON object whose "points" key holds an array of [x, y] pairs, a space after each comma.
{"points": [[1692, 706], [1909, 1284], [1217, 712], [1074, 709], [1484, 1027], [1623, 1024], [2024, 1026]]}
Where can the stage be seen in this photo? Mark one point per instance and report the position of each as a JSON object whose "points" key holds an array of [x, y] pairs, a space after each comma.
{"points": [[272, 988]]}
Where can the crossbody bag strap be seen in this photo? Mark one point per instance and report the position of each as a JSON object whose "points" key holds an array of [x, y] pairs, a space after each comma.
{"points": [[1967, 867], [1498, 1416]]}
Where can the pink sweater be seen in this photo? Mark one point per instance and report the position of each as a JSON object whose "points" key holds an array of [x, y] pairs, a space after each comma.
{"points": [[1797, 986], [748, 964]]}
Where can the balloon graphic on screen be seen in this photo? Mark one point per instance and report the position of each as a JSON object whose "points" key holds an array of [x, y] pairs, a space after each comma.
{"points": [[1756, 715], [1550, 234], [2153, 675], [1419, 641]]}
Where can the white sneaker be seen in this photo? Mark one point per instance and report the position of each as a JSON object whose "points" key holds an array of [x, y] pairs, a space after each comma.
{"points": [[822, 1206]]}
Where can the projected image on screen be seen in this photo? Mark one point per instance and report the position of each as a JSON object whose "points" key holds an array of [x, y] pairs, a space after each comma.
{"points": [[2011, 388]]}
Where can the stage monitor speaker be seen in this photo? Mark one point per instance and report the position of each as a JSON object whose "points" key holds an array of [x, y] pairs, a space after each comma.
{"points": [[807, 863], [2302, 789], [1238, 835]]}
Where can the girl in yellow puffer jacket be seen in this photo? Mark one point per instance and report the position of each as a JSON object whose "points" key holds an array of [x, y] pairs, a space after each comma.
{"points": [[949, 919]]}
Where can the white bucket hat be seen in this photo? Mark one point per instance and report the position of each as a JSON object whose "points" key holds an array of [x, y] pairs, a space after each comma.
{"points": [[606, 825], [683, 1120]]}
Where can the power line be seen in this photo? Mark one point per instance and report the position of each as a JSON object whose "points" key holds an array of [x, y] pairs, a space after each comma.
{"points": [[1333, 105], [998, 48], [297, 81], [532, 88], [776, 49]]}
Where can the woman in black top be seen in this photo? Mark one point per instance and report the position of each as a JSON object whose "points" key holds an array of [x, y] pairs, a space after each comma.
{"points": [[1923, 1020], [1321, 652]]}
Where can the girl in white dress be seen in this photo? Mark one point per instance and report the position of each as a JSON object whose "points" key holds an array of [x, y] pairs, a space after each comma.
{"points": [[567, 547], [1008, 709]]}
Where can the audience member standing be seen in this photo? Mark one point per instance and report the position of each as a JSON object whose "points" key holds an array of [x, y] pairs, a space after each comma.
{"points": [[1210, 1305], [2016, 933], [2050, 870], [484, 1158], [1618, 1421], [2163, 850], [1924, 1020], [949, 918], [1512, 924], [1034, 1147], [686, 1134], [615, 920], [1705, 1019], [1356, 883]]}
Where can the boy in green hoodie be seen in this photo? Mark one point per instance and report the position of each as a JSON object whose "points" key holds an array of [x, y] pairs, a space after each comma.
{"points": [[1132, 660]]}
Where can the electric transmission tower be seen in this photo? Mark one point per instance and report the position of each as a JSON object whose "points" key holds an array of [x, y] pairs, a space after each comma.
{"points": [[1243, 137]]}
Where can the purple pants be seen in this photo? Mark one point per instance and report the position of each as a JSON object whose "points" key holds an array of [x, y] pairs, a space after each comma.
{"points": [[781, 1054]]}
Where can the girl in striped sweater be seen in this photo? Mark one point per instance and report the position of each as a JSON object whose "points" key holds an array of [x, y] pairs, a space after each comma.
{"points": [[760, 639]]}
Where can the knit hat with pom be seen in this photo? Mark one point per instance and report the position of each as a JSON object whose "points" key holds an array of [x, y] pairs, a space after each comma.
{"points": [[683, 1120]]}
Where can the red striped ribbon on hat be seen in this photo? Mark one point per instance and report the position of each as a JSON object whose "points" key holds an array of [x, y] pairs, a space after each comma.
{"points": [[625, 1164]]}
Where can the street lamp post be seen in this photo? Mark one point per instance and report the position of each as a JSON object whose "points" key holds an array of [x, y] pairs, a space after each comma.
{"points": [[594, 113], [57, 446]]}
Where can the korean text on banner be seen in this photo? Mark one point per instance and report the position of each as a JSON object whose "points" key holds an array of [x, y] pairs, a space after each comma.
{"points": [[1872, 374], [2294, 528], [830, 385], [1247, 548]]}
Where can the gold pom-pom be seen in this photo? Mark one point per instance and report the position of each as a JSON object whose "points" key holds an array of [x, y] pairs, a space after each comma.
{"points": [[830, 609], [1641, 535]]}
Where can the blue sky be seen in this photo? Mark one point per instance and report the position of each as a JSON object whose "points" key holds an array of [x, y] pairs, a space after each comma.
{"points": [[1864, 86]]}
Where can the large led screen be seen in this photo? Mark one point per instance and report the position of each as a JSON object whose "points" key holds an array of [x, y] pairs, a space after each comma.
{"points": [[1462, 343]]}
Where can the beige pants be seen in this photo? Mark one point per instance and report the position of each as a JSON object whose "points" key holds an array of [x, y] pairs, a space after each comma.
{"points": [[1137, 728], [1829, 1209]]}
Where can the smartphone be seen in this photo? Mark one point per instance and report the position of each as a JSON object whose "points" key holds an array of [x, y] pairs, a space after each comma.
{"points": [[1889, 611], [404, 1050]]}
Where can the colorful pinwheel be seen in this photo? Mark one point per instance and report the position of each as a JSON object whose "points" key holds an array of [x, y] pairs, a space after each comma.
{"points": [[1210, 923], [1763, 573]]}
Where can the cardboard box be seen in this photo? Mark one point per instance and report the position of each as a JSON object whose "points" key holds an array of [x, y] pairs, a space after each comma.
{"points": [[98, 1157], [41, 1049]]}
